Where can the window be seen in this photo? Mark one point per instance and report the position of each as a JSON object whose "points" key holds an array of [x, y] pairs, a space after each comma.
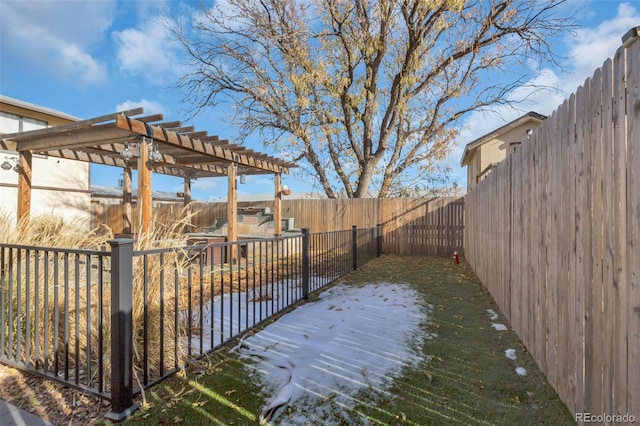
{"points": [[13, 123]]}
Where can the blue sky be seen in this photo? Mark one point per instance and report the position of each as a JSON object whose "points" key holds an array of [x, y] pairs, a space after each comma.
{"points": [[90, 58]]}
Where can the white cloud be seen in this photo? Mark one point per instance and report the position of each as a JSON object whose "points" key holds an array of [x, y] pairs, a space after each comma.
{"points": [[540, 94], [57, 36], [150, 107], [148, 52], [592, 46], [87, 69]]}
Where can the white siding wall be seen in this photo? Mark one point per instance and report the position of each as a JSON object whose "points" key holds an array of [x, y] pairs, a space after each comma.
{"points": [[59, 186]]}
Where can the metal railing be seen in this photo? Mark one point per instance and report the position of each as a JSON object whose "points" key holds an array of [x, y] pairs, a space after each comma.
{"points": [[116, 322], [52, 315]]}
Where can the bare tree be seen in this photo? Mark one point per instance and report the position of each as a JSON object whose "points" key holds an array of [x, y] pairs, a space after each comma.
{"points": [[367, 95]]}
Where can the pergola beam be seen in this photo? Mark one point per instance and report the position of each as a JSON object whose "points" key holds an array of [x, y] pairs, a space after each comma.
{"points": [[169, 124], [88, 157], [196, 145], [199, 135], [87, 137], [150, 118], [8, 145], [76, 124], [109, 156], [182, 130]]}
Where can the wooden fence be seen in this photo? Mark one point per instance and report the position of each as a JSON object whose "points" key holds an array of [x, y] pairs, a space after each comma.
{"points": [[554, 234], [439, 232], [409, 225]]}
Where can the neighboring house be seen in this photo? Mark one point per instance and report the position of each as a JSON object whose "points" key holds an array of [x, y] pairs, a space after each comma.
{"points": [[485, 152], [113, 195], [59, 186]]}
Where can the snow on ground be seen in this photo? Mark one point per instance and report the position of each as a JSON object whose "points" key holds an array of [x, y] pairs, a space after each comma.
{"points": [[509, 353], [231, 314], [315, 359], [492, 314]]}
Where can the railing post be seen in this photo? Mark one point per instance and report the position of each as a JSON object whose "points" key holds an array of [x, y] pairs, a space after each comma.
{"points": [[378, 240], [305, 263], [122, 405], [354, 246]]}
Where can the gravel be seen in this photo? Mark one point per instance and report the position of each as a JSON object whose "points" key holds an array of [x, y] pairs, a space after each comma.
{"points": [[54, 402]]}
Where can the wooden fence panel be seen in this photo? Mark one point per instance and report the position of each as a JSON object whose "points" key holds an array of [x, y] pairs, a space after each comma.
{"points": [[409, 225], [439, 232], [582, 132], [570, 284]]}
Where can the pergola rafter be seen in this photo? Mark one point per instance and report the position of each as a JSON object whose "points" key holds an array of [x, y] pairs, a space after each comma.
{"points": [[178, 150]]}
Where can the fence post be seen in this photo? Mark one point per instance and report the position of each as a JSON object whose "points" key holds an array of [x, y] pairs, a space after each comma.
{"points": [[354, 246], [305, 263], [122, 405], [379, 240]]}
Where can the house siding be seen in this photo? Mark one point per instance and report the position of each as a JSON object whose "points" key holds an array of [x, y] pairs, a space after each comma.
{"points": [[494, 151], [59, 186]]}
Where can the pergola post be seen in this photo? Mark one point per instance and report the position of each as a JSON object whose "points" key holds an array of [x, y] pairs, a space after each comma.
{"points": [[277, 205], [232, 211], [144, 189], [127, 224], [187, 191], [187, 201], [24, 187]]}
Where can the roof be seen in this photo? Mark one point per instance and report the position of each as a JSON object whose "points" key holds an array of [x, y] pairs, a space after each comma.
{"points": [[530, 116], [176, 150], [116, 192], [37, 108]]}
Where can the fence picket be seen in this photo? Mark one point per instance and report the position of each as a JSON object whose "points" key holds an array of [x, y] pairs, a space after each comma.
{"points": [[607, 238], [619, 389], [633, 226]]}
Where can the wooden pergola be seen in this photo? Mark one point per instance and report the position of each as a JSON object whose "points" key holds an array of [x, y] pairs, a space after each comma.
{"points": [[145, 143]]}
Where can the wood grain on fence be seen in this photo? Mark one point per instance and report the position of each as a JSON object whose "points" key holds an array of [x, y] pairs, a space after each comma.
{"points": [[554, 234]]}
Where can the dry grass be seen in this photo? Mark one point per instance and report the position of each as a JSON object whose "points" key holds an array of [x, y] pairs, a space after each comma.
{"points": [[50, 230], [34, 297], [73, 293]]}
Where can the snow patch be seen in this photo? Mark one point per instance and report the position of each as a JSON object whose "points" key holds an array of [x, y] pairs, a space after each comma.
{"points": [[318, 355], [511, 354], [499, 327], [521, 371], [492, 314]]}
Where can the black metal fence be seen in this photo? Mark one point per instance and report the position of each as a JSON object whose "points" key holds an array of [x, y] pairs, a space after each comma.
{"points": [[52, 313], [116, 322]]}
